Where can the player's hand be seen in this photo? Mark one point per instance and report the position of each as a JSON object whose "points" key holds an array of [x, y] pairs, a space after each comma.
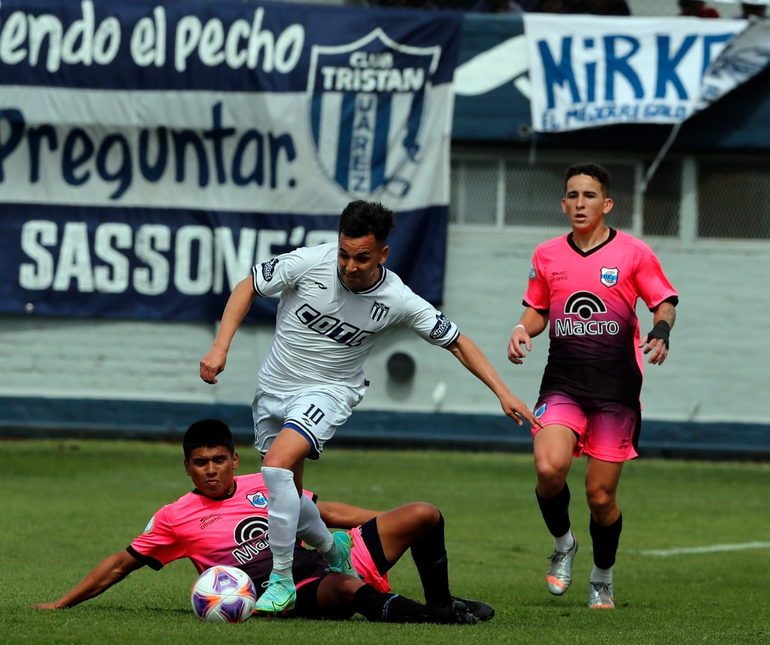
{"points": [[518, 411], [516, 353], [658, 348], [213, 364]]}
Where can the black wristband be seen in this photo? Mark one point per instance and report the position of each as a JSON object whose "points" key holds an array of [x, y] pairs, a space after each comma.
{"points": [[661, 330]]}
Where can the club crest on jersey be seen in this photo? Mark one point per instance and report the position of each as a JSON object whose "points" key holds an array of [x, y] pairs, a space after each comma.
{"points": [[366, 103], [378, 311], [609, 277], [268, 269], [258, 499]]}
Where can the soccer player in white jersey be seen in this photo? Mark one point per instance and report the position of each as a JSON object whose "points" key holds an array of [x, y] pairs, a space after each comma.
{"points": [[336, 302]]}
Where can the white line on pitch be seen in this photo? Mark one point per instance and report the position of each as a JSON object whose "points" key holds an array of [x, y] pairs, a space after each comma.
{"points": [[707, 549]]}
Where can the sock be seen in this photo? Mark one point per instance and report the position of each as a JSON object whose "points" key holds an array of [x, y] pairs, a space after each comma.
{"points": [[605, 540], [555, 511], [601, 575], [379, 607], [310, 527], [430, 558], [564, 543], [282, 517]]}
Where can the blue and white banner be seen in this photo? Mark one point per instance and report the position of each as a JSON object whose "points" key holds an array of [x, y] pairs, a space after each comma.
{"points": [[592, 70], [151, 153]]}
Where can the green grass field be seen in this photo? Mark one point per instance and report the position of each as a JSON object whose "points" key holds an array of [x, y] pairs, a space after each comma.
{"points": [[67, 504]]}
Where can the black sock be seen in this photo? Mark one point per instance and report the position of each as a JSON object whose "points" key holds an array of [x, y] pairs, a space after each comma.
{"points": [[430, 558], [556, 511], [379, 607], [605, 540]]}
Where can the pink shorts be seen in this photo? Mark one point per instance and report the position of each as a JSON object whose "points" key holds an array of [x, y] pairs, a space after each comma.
{"points": [[363, 563], [606, 430]]}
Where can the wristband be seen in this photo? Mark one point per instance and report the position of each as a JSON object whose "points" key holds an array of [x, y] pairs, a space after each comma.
{"points": [[522, 326], [661, 330]]}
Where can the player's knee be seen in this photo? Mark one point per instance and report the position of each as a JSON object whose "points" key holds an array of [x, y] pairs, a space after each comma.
{"points": [[551, 473], [601, 502], [425, 515]]}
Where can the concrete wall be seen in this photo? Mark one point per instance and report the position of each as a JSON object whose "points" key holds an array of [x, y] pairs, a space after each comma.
{"points": [[716, 371]]}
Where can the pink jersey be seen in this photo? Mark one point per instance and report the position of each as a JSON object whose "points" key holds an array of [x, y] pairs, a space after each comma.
{"points": [[591, 302], [230, 531]]}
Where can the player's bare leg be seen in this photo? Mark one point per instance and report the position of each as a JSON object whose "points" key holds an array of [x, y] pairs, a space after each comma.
{"points": [[553, 449], [602, 478]]}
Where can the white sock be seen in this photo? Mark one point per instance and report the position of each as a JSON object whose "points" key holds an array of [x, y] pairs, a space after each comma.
{"points": [[282, 517], [601, 575], [564, 543], [311, 529]]}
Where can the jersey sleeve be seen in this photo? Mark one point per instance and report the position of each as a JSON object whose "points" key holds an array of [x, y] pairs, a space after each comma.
{"points": [[538, 295], [158, 544], [651, 283], [274, 276], [427, 321]]}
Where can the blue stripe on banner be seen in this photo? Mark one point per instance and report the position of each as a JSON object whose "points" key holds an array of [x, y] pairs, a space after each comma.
{"points": [[345, 142], [380, 147]]}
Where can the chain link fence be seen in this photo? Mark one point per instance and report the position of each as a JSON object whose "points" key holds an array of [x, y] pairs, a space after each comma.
{"points": [[688, 198]]}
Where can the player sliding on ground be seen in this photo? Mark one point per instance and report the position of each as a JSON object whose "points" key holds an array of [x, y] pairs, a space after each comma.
{"points": [[237, 536]]}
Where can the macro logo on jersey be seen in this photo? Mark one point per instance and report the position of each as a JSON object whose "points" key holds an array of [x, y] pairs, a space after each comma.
{"points": [[609, 277], [251, 537], [442, 326], [585, 305], [366, 101], [379, 311], [258, 499], [268, 269]]}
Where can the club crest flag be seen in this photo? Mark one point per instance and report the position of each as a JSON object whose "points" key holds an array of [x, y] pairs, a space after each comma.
{"points": [[152, 153]]}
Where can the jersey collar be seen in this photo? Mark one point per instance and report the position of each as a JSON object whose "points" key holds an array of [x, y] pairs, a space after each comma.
{"points": [[585, 254], [374, 287]]}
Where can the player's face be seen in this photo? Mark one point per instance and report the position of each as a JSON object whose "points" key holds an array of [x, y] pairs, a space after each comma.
{"points": [[211, 470], [585, 204], [358, 259]]}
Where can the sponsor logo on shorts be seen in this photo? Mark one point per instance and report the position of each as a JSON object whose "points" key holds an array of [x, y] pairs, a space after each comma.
{"points": [[609, 277], [541, 410], [257, 500]]}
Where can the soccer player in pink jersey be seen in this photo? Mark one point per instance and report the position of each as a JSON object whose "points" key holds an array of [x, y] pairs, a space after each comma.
{"points": [[584, 287], [223, 521]]}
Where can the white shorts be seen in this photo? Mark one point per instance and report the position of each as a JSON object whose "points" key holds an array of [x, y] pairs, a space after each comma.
{"points": [[315, 414]]}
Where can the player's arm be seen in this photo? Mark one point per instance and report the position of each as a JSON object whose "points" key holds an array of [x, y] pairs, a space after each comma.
{"points": [[532, 323], [236, 309], [664, 317], [104, 575], [339, 515], [476, 363]]}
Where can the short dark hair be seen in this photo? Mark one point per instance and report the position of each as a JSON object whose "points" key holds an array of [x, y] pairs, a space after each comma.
{"points": [[208, 433], [591, 169], [362, 218]]}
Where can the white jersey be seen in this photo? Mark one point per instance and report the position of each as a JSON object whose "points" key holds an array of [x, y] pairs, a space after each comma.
{"points": [[325, 331]]}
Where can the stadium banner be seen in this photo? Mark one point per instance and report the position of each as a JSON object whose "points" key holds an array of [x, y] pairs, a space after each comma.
{"points": [[151, 153], [592, 70]]}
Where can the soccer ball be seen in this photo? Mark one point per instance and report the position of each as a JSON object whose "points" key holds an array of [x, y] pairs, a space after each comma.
{"points": [[223, 594]]}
